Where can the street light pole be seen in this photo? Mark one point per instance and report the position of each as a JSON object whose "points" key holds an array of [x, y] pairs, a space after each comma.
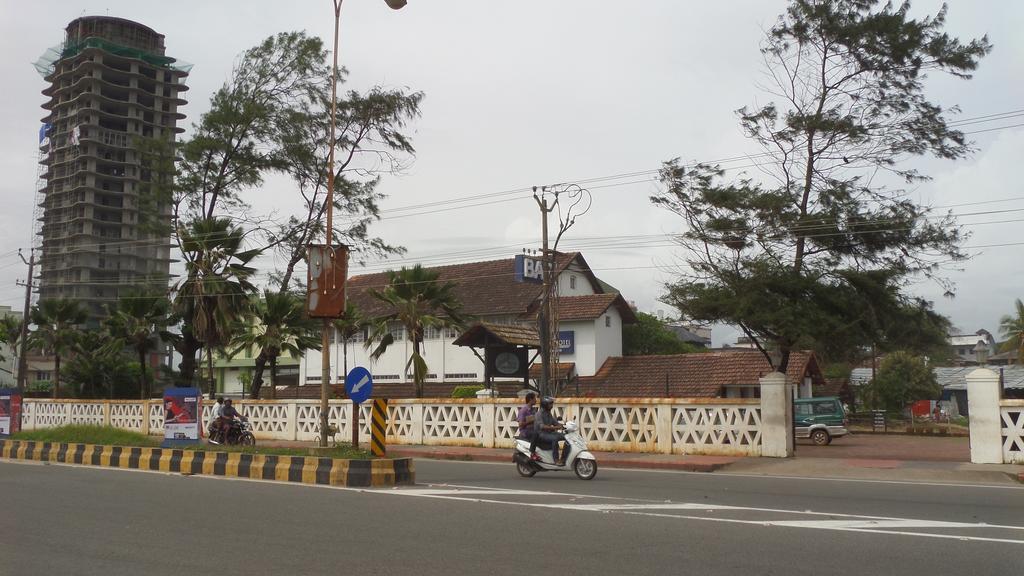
{"points": [[325, 337]]}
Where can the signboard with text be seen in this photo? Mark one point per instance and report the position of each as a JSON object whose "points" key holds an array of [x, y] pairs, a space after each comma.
{"points": [[566, 341], [182, 407], [529, 269]]}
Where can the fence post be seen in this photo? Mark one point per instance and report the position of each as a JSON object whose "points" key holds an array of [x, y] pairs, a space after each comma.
{"points": [[292, 422], [106, 412], [487, 422], [986, 428], [416, 427], [663, 428], [776, 416], [145, 417]]}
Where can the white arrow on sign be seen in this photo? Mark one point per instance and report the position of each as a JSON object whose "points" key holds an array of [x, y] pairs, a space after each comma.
{"points": [[355, 389]]}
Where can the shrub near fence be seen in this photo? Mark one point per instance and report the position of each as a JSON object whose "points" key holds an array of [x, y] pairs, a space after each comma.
{"points": [[673, 425]]}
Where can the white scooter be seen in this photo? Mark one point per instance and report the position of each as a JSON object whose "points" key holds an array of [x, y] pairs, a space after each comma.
{"points": [[579, 460]]}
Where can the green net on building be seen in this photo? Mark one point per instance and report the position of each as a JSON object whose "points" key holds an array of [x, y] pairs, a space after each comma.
{"points": [[44, 65]]}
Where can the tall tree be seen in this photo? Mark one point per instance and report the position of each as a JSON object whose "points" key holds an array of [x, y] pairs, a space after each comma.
{"points": [[786, 258], [1012, 328], [278, 325], [141, 320], [415, 299], [57, 321], [217, 285]]}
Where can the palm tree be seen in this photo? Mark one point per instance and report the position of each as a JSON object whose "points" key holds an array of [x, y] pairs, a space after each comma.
{"points": [[352, 322], [56, 320], [280, 326], [1012, 328], [140, 321], [215, 291], [417, 300], [10, 333]]}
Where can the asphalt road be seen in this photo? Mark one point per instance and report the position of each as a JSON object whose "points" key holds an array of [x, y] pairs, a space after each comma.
{"points": [[477, 518]]}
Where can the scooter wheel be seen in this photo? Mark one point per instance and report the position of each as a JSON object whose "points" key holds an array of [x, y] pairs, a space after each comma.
{"points": [[525, 469], [585, 469]]}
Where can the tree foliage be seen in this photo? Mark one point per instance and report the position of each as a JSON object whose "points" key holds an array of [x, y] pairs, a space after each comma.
{"points": [[276, 325], [1012, 328], [416, 300], [57, 321], [650, 336], [901, 380], [818, 246], [99, 367], [140, 321]]}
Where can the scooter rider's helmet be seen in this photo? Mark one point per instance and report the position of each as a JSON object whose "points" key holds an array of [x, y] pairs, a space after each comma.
{"points": [[547, 402]]}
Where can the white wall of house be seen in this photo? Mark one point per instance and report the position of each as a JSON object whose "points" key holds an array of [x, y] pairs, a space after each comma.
{"points": [[595, 342]]}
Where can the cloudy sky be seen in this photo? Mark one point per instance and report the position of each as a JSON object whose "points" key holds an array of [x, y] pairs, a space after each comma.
{"points": [[536, 92]]}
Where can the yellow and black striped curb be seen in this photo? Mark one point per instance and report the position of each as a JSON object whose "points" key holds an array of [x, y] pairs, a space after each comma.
{"points": [[301, 469]]}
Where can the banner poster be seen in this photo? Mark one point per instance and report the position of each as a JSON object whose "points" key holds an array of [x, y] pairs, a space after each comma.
{"points": [[182, 407], [10, 411]]}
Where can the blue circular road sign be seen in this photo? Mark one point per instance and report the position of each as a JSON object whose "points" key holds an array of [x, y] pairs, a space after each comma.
{"points": [[358, 384]]}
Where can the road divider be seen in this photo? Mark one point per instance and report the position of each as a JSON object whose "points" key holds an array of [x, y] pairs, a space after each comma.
{"points": [[381, 472]]}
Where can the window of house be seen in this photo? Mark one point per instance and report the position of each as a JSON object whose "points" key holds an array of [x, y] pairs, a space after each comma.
{"points": [[42, 375], [572, 282], [608, 321], [460, 375]]}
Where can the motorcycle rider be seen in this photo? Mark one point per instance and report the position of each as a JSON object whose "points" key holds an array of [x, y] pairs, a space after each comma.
{"points": [[229, 419], [546, 429]]}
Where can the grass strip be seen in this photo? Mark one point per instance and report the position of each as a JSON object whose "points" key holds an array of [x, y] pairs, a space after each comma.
{"points": [[87, 434]]}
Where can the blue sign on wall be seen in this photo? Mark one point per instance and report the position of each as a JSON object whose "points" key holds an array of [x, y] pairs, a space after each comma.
{"points": [[566, 341], [529, 269], [358, 384]]}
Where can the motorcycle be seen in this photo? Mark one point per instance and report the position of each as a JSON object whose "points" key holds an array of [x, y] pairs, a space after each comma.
{"points": [[579, 459], [238, 433]]}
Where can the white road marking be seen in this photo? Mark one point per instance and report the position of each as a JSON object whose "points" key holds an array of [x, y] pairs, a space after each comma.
{"points": [[769, 476]]}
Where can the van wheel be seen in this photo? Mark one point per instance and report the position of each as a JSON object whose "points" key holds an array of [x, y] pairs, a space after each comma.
{"points": [[821, 438]]}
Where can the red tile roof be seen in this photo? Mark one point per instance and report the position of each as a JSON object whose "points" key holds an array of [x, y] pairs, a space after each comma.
{"points": [[697, 375], [483, 288], [561, 370], [591, 306]]}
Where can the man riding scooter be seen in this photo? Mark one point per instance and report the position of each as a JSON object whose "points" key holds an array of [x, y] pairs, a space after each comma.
{"points": [[546, 429]]}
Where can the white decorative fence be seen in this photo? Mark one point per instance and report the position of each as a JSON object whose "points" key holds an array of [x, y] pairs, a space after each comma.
{"points": [[1012, 416], [673, 425]]}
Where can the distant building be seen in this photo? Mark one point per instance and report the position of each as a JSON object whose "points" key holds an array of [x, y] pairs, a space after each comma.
{"points": [[110, 84], [972, 349], [691, 333]]}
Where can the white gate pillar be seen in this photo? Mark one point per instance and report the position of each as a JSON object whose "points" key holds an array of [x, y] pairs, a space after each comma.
{"points": [[776, 416], [986, 428]]}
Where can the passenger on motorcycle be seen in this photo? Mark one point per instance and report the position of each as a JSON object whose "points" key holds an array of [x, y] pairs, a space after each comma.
{"points": [[229, 419], [215, 413], [525, 417], [546, 428]]}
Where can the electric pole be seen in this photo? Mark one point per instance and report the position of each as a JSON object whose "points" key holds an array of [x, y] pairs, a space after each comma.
{"points": [[22, 364], [543, 315]]}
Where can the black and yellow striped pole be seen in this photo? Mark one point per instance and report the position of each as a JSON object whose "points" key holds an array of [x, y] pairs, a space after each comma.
{"points": [[379, 427]]}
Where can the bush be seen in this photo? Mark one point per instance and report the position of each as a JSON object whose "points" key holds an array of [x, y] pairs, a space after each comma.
{"points": [[466, 391], [902, 379]]}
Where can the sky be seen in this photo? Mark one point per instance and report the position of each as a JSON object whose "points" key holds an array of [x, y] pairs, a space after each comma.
{"points": [[538, 92]]}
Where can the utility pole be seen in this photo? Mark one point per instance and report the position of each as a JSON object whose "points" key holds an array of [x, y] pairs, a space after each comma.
{"points": [[544, 314], [22, 364]]}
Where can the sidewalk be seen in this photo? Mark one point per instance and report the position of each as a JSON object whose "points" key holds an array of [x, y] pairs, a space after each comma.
{"points": [[859, 467]]}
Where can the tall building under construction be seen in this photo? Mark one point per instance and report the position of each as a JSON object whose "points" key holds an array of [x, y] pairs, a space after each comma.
{"points": [[103, 219]]}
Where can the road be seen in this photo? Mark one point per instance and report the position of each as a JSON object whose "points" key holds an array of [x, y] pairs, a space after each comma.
{"points": [[480, 518]]}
